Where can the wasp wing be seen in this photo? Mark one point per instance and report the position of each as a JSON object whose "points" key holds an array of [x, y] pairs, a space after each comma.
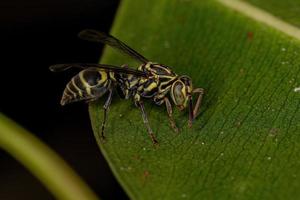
{"points": [[97, 36], [64, 67], [112, 68]]}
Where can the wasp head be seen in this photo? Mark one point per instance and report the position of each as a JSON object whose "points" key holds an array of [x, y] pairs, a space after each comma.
{"points": [[181, 92]]}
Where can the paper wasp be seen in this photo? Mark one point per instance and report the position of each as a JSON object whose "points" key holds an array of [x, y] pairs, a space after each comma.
{"points": [[149, 81]]}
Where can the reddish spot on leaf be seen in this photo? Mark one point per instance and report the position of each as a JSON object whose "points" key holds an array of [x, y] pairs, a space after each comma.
{"points": [[136, 157], [145, 176], [250, 35], [238, 124], [146, 173], [242, 72], [273, 131]]}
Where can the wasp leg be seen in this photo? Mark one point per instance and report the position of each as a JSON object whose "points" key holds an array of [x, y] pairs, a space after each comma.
{"points": [[106, 108], [196, 109], [146, 122], [170, 114], [125, 66], [191, 112]]}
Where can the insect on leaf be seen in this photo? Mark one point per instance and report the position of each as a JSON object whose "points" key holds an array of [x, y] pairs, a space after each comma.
{"points": [[245, 144]]}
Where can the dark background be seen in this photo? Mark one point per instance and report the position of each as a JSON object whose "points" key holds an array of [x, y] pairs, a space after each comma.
{"points": [[34, 35]]}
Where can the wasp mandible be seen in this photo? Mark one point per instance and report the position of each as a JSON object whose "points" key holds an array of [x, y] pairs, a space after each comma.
{"points": [[149, 81]]}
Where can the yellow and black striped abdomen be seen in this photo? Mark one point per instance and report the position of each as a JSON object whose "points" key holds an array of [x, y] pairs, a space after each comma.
{"points": [[89, 84]]}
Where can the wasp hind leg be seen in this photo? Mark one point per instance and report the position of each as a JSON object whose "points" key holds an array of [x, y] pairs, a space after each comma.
{"points": [[170, 114], [140, 104], [106, 109]]}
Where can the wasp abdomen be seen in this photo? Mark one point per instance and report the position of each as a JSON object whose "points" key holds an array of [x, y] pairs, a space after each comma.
{"points": [[89, 84]]}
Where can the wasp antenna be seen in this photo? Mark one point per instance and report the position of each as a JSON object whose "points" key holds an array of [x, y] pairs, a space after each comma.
{"points": [[59, 67], [53, 68]]}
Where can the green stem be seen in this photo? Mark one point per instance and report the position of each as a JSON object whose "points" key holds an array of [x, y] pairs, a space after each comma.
{"points": [[43, 162]]}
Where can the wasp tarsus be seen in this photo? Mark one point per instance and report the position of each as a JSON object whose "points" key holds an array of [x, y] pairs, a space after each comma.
{"points": [[150, 80]]}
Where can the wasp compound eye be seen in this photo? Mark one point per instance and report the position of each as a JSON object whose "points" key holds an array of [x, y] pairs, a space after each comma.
{"points": [[178, 93]]}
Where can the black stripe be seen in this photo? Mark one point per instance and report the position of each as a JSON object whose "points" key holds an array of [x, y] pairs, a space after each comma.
{"points": [[79, 83], [92, 77]]}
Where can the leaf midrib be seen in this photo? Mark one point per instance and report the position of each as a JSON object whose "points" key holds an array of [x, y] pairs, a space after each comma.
{"points": [[263, 16]]}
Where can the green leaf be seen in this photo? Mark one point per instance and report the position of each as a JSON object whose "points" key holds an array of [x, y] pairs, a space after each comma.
{"points": [[246, 142]]}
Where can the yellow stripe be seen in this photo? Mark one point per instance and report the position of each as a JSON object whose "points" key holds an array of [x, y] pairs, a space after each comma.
{"points": [[143, 80], [140, 88], [112, 76], [165, 89], [133, 83], [103, 77], [140, 68], [65, 94], [88, 90], [163, 68], [69, 89], [183, 90], [147, 66], [85, 83], [151, 87], [77, 88]]}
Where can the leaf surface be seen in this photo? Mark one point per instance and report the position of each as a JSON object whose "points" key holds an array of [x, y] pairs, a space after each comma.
{"points": [[246, 142]]}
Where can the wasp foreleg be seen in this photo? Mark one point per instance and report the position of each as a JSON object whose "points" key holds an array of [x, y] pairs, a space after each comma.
{"points": [[196, 109], [106, 109], [191, 112], [170, 114], [140, 104], [125, 66]]}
